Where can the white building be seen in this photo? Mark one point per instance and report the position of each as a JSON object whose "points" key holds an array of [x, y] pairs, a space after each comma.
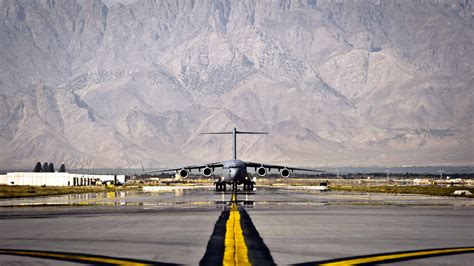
{"points": [[56, 179], [462, 192]]}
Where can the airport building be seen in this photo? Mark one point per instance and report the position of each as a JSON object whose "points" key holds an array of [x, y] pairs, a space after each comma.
{"points": [[58, 179]]}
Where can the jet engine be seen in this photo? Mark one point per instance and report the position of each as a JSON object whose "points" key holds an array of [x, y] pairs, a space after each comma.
{"points": [[183, 173], [261, 171], [285, 173], [207, 172]]}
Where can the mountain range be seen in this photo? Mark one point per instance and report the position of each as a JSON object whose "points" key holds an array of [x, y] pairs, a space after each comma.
{"points": [[334, 82]]}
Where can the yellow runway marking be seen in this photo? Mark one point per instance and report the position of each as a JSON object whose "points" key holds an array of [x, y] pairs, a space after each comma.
{"points": [[236, 251], [404, 255], [77, 257]]}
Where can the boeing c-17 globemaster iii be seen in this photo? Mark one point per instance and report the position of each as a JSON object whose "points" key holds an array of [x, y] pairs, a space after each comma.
{"points": [[234, 172]]}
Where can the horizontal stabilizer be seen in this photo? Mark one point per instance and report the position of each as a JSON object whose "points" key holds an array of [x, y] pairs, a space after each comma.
{"points": [[250, 132], [230, 133], [234, 132], [216, 133]]}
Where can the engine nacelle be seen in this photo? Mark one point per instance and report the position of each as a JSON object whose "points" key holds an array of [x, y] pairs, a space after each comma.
{"points": [[261, 171], [207, 172], [183, 173], [285, 173]]}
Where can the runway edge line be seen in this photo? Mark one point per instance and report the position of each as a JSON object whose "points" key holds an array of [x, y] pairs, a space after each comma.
{"points": [[392, 257], [78, 257]]}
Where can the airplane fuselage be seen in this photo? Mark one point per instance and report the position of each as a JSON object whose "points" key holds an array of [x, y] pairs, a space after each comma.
{"points": [[234, 171]]}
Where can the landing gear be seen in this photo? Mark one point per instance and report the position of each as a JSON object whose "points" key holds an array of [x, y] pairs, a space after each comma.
{"points": [[220, 187], [248, 186]]}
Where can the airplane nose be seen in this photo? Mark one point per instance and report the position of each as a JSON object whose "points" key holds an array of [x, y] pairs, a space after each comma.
{"points": [[233, 173]]}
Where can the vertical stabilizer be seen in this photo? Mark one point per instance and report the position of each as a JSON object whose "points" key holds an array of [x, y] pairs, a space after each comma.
{"points": [[234, 148]]}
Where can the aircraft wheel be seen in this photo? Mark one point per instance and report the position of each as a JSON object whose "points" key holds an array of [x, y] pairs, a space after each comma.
{"points": [[251, 187], [224, 187]]}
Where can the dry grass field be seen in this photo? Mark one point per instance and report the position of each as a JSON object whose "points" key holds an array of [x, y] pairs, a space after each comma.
{"points": [[33, 191]]}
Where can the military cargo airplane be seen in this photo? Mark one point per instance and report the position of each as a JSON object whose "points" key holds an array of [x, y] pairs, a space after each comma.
{"points": [[234, 172]]}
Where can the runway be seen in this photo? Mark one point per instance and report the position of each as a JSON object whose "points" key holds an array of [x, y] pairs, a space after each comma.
{"points": [[270, 226]]}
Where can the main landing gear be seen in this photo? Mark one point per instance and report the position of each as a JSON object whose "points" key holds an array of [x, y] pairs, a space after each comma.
{"points": [[248, 186], [220, 186]]}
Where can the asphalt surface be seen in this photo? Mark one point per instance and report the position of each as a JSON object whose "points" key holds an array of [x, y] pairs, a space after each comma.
{"points": [[282, 226]]}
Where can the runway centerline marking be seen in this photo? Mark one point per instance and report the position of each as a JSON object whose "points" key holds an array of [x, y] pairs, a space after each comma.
{"points": [[236, 251]]}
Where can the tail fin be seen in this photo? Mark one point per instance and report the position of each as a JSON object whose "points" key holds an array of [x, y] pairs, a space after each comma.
{"points": [[143, 168], [234, 133]]}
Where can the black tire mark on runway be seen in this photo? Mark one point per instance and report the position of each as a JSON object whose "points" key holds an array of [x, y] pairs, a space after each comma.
{"points": [[259, 254], [214, 254]]}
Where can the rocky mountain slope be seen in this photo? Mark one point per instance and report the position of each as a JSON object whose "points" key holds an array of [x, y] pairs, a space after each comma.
{"points": [[334, 82]]}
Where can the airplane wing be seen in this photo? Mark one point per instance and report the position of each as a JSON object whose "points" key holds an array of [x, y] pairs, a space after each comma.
{"points": [[189, 168], [279, 167]]}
